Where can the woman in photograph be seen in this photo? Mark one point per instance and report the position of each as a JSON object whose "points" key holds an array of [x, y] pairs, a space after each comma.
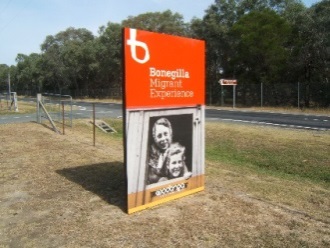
{"points": [[162, 135]]}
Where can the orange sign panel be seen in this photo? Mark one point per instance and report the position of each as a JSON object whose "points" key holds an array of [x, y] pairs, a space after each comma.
{"points": [[163, 70]]}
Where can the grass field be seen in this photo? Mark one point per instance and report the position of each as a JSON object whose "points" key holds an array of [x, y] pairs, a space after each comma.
{"points": [[279, 152], [282, 158], [292, 110], [23, 108], [265, 187]]}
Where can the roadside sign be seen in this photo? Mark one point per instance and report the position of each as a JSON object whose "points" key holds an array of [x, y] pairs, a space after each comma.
{"points": [[164, 103], [228, 81]]}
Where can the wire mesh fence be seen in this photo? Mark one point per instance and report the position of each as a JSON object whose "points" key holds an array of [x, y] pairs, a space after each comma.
{"points": [[246, 95], [8, 101], [60, 110], [111, 93], [4, 100], [271, 95], [259, 95], [56, 108]]}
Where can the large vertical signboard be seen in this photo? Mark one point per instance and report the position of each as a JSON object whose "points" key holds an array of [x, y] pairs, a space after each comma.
{"points": [[164, 101]]}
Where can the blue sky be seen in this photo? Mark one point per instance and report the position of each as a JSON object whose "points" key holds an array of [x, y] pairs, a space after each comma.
{"points": [[24, 24]]}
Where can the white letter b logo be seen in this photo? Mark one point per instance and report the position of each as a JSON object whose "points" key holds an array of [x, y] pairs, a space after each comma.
{"points": [[134, 43]]}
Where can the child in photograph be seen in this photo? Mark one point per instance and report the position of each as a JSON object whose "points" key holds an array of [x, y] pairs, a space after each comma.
{"points": [[175, 163], [162, 135]]}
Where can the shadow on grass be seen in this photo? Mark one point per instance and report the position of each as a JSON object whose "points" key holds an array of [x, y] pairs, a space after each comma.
{"points": [[107, 180]]}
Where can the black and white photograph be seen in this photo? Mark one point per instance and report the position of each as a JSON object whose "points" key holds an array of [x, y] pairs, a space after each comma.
{"points": [[165, 148], [169, 148]]}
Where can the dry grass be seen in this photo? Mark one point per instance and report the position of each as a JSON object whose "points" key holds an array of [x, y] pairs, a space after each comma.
{"points": [[23, 108], [106, 100], [60, 191]]}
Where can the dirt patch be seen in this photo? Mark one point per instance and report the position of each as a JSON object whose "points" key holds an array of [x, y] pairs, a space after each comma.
{"points": [[61, 191]]}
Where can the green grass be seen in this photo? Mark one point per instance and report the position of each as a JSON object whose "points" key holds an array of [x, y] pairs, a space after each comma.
{"points": [[311, 110], [277, 152], [23, 108], [30, 107], [272, 151], [116, 124], [280, 152]]}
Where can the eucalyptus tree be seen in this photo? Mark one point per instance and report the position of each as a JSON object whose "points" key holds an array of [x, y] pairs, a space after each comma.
{"points": [[108, 46], [67, 60], [310, 56], [214, 28], [108, 52], [161, 22], [317, 67], [321, 13], [28, 74], [4, 70], [261, 40]]}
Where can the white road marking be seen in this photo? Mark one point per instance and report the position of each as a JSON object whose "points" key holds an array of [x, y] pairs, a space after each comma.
{"points": [[104, 112], [271, 124]]}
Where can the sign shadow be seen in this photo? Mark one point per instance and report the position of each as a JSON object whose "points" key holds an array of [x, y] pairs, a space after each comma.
{"points": [[107, 180]]}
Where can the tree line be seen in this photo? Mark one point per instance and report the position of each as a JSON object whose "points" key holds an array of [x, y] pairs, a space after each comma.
{"points": [[269, 42]]}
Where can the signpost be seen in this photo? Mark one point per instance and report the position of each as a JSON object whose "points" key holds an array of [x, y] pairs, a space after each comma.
{"points": [[231, 82], [164, 105]]}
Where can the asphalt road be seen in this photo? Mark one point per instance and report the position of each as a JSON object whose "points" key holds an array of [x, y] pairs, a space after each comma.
{"points": [[113, 110], [285, 120]]}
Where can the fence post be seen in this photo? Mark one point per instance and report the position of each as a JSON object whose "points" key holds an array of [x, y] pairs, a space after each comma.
{"points": [[261, 95], [222, 95], [71, 111], [63, 118], [38, 108], [298, 95], [9, 89], [39, 102], [14, 101], [234, 96], [93, 124]]}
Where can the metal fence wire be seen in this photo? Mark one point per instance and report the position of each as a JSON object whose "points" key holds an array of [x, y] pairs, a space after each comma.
{"points": [[5, 100], [273, 95], [247, 95], [56, 105]]}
